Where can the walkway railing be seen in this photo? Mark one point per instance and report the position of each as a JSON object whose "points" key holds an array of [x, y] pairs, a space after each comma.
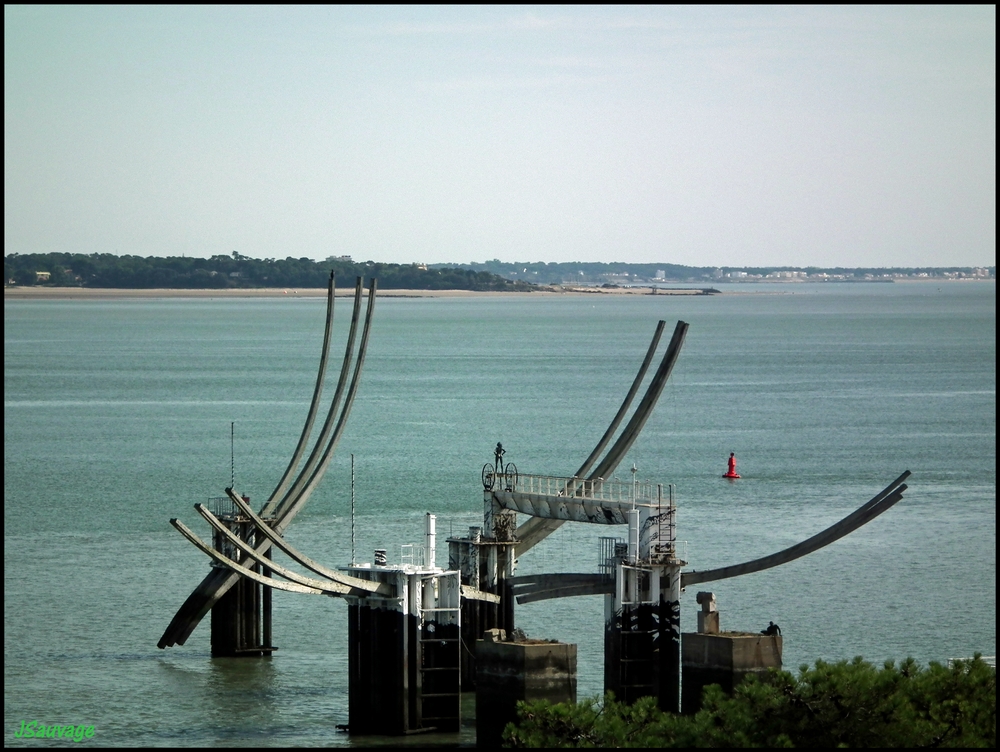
{"points": [[222, 506], [643, 493]]}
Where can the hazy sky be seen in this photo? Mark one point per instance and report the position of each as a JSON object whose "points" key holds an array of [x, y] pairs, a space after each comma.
{"points": [[802, 136]]}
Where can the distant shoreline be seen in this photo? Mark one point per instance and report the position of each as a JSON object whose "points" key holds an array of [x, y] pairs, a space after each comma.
{"points": [[88, 293]]}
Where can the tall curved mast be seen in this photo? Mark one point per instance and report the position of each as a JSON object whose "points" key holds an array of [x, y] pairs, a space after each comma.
{"points": [[537, 529], [300, 448], [219, 581]]}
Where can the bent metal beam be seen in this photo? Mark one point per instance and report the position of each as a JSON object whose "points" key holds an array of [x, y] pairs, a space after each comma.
{"points": [[301, 558], [315, 457], [881, 502], [237, 569], [541, 587], [331, 585], [356, 583], [220, 580], [537, 529], [313, 405]]}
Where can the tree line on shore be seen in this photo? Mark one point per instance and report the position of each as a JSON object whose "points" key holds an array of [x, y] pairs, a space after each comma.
{"points": [[845, 704], [237, 271], [105, 270], [595, 272]]}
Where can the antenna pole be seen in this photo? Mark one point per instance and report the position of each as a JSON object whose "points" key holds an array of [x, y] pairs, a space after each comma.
{"points": [[232, 454], [352, 511]]}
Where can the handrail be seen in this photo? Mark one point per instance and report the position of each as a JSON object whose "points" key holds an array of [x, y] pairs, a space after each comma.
{"points": [[644, 493]]}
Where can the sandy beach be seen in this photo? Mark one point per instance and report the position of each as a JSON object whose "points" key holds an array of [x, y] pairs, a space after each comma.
{"points": [[86, 293]]}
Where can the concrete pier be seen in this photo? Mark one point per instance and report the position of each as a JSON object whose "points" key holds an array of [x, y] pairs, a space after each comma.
{"points": [[405, 649], [403, 675], [485, 560], [725, 659], [642, 650], [508, 672]]}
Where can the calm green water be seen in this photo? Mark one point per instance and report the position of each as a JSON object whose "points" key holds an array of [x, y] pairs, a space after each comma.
{"points": [[117, 417]]}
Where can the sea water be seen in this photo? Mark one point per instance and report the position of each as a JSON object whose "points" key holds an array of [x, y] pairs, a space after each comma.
{"points": [[121, 414]]}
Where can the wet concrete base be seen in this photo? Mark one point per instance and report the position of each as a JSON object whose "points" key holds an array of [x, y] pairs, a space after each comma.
{"points": [[507, 672], [724, 659], [402, 679]]}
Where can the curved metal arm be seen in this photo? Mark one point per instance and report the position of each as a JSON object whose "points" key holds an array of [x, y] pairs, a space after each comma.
{"points": [[628, 436], [290, 507], [236, 569], [534, 531], [542, 587], [882, 501], [218, 582], [626, 403], [330, 586], [328, 425], [301, 558], [313, 406]]}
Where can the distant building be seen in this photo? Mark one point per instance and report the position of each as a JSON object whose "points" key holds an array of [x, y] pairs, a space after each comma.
{"points": [[42, 276]]}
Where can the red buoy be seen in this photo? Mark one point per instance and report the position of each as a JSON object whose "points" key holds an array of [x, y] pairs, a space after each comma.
{"points": [[731, 472]]}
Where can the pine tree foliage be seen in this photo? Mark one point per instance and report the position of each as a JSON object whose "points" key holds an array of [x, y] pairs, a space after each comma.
{"points": [[845, 704]]}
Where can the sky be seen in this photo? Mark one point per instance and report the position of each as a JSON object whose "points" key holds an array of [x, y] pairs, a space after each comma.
{"points": [[704, 136]]}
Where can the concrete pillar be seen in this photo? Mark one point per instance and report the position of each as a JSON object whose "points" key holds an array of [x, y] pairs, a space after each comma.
{"points": [[473, 557], [724, 659], [430, 539], [669, 691], [404, 659], [708, 617], [378, 642], [642, 649], [522, 670]]}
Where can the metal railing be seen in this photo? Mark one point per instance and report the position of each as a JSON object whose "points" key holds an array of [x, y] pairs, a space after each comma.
{"points": [[643, 493], [611, 549], [222, 506], [412, 555]]}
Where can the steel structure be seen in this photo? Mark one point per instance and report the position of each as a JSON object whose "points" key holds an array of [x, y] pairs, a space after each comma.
{"points": [[404, 620], [292, 490], [409, 621], [641, 577]]}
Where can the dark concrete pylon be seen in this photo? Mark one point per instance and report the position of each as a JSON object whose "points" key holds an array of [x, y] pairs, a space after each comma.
{"points": [[218, 582], [537, 529]]}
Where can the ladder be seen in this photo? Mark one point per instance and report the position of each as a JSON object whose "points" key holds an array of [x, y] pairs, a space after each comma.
{"points": [[439, 665]]}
